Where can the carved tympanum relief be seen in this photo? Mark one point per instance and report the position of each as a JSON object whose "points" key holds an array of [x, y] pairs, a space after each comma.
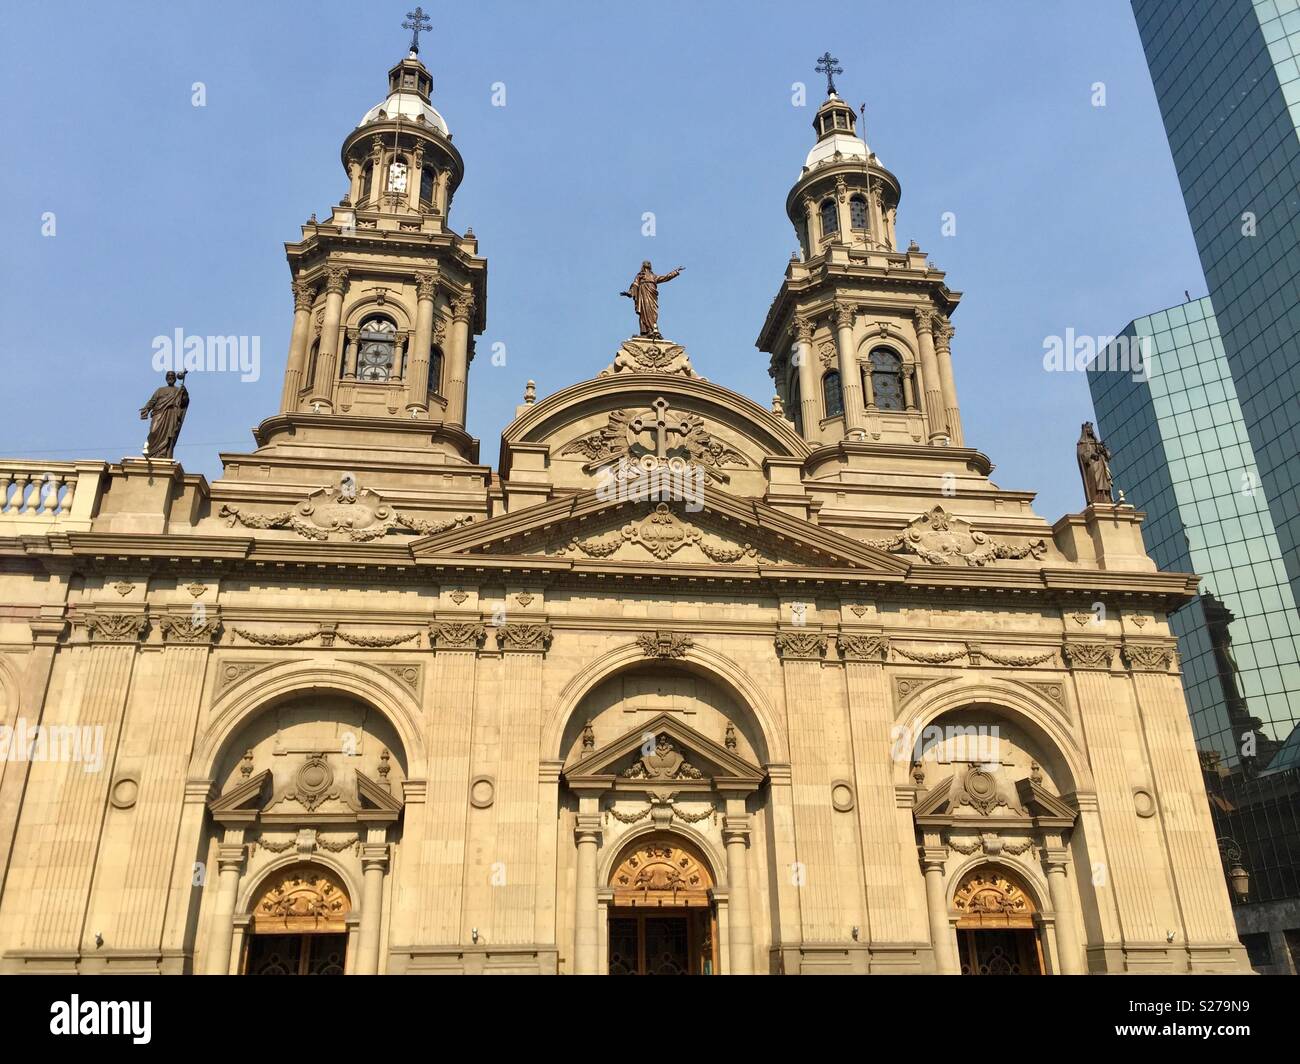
{"points": [[940, 538]]}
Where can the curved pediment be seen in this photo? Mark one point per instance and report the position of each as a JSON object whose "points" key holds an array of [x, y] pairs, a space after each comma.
{"points": [[594, 424]]}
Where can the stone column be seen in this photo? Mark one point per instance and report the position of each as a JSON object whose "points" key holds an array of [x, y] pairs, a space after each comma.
{"points": [[842, 211], [909, 387], [304, 295], [945, 954], [1058, 886], [586, 927], [740, 936], [811, 226], [943, 334], [809, 400], [355, 167], [327, 360], [457, 359], [850, 375], [414, 171], [374, 860], [440, 196], [924, 319], [351, 352], [378, 179], [417, 380], [230, 863]]}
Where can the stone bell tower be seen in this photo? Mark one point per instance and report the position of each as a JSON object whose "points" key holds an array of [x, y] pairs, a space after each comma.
{"points": [[859, 333], [387, 296]]}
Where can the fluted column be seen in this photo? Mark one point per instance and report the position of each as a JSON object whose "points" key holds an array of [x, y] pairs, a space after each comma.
{"points": [[943, 334], [586, 958], [327, 360], [945, 951], [230, 863], [740, 936], [1058, 886], [462, 310], [924, 319], [809, 400], [374, 860], [417, 380], [850, 376]]}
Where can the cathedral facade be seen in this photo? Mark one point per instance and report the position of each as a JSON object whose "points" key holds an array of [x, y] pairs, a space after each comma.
{"points": [[686, 684]]}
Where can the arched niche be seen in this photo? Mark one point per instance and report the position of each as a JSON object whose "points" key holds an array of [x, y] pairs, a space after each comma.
{"points": [[642, 688]]}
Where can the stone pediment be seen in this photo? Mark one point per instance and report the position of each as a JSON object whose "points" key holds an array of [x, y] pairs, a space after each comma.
{"points": [[977, 795], [723, 531], [315, 792], [664, 754]]}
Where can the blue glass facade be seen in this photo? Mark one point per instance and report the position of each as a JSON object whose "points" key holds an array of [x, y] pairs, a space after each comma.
{"points": [[1227, 77], [1182, 454]]}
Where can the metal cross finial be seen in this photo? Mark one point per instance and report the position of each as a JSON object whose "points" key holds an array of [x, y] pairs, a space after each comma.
{"points": [[417, 22], [830, 66]]}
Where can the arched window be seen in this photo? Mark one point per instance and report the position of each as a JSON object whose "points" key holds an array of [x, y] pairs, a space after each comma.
{"points": [[832, 394], [375, 355], [426, 186], [830, 218], [886, 379], [435, 370], [858, 212]]}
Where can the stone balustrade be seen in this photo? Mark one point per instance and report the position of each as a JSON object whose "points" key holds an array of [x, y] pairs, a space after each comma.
{"points": [[36, 495]]}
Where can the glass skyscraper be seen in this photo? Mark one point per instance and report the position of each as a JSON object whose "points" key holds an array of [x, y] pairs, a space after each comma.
{"points": [[1183, 455], [1227, 77]]}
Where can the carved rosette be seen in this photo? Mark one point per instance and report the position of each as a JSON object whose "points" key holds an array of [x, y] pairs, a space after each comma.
{"points": [[1149, 657], [116, 627], [862, 647], [801, 646], [457, 635], [525, 638], [1082, 655], [664, 644], [183, 629]]}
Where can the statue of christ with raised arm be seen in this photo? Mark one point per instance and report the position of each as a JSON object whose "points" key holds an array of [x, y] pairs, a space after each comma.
{"points": [[644, 293]]}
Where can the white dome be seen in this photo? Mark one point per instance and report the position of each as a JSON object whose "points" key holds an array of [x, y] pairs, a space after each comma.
{"points": [[408, 105], [849, 146]]}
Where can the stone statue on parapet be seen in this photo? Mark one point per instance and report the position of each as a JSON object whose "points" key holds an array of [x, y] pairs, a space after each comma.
{"points": [[644, 293], [166, 413], [1094, 467]]}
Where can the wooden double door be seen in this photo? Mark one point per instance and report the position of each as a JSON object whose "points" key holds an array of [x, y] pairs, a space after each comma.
{"points": [[662, 941], [314, 954], [999, 951]]}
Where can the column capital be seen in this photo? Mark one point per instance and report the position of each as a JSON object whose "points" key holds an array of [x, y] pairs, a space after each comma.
{"points": [[736, 828], [924, 319], [426, 284], [304, 295], [462, 307], [862, 646], [1056, 859], [801, 645], [457, 635], [943, 333], [1149, 657], [230, 856], [803, 329], [1079, 654], [587, 829], [374, 856], [933, 858], [527, 638], [336, 279], [844, 314]]}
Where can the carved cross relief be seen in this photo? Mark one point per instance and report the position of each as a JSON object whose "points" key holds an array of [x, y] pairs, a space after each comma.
{"points": [[659, 425]]}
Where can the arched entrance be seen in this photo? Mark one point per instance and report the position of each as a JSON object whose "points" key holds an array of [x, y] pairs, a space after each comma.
{"points": [[997, 933], [661, 917], [298, 924]]}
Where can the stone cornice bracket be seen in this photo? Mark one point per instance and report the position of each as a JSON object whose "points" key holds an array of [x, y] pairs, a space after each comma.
{"points": [[1149, 657], [524, 638], [660, 644], [801, 645], [862, 647], [336, 279], [47, 630], [1086, 655], [115, 627], [304, 295], [457, 635], [183, 629]]}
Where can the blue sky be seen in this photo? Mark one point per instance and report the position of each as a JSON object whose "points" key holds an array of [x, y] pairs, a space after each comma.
{"points": [[171, 216]]}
